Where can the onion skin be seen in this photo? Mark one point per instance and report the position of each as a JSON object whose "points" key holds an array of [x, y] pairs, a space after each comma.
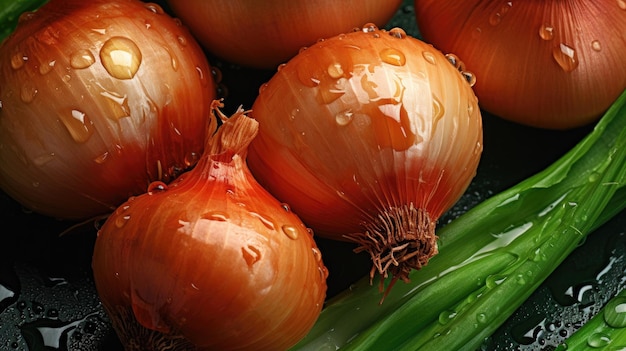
{"points": [[263, 34], [549, 64], [79, 133], [210, 262], [370, 136]]}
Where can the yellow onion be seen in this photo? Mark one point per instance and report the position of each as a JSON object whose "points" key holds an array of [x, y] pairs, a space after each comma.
{"points": [[266, 33], [554, 64], [211, 261], [97, 99], [370, 136]]}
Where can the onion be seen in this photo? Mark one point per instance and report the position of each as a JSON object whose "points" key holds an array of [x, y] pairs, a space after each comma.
{"points": [[210, 262], [370, 136], [263, 34], [551, 64], [97, 99]]}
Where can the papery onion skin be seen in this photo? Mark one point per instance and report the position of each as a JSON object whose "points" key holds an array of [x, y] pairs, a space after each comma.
{"points": [[264, 34], [210, 262], [369, 133], [98, 99], [549, 64]]}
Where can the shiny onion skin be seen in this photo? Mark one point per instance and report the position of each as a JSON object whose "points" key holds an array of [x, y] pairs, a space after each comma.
{"points": [[370, 136], [210, 262], [555, 64], [98, 99], [264, 34]]}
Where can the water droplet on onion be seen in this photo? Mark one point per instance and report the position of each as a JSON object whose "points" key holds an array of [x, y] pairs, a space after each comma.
{"points": [[121, 57], [45, 68], [344, 118], [17, 60], [156, 186], [546, 32], [429, 57], [596, 46], [621, 4], [28, 92], [77, 124], [397, 33], [393, 57], [566, 57], [251, 254], [291, 232], [82, 59]]}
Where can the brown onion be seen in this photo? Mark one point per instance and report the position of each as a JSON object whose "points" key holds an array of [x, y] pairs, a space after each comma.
{"points": [[554, 64], [97, 99], [210, 262], [370, 136], [266, 33]]}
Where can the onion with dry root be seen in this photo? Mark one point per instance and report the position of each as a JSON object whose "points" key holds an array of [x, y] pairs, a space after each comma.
{"points": [[211, 261], [370, 136]]}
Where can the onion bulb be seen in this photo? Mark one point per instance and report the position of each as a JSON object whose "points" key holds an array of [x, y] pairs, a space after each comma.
{"points": [[263, 34], [370, 136], [98, 99], [211, 261], [551, 64]]}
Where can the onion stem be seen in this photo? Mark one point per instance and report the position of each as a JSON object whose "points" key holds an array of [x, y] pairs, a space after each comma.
{"points": [[491, 258]]}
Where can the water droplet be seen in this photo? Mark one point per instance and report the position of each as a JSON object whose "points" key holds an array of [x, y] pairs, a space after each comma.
{"points": [[156, 186], [290, 231], [155, 8], [26, 16], [566, 57], [28, 92], [446, 316], [494, 280], [43, 159], [121, 221], [546, 32], [344, 118], [397, 32], [482, 318], [429, 57], [596, 46], [323, 272], [621, 4], [182, 40], [615, 312], [317, 254], [286, 207], [496, 17], [77, 124], [191, 158], [264, 220], [118, 104], [438, 109], [251, 254], [469, 77], [17, 60], [334, 70], [102, 158], [121, 57], [82, 59], [216, 216], [102, 31], [45, 68], [598, 340], [393, 57], [369, 28]]}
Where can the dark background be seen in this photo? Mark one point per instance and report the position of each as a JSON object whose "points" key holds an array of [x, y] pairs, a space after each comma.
{"points": [[48, 300]]}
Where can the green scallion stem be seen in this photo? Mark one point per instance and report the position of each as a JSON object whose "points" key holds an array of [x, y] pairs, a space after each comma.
{"points": [[491, 258]]}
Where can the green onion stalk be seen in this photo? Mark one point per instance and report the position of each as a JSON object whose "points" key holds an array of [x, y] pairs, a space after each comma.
{"points": [[491, 258], [10, 11]]}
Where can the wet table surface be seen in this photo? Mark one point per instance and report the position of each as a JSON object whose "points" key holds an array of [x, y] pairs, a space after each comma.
{"points": [[48, 300]]}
